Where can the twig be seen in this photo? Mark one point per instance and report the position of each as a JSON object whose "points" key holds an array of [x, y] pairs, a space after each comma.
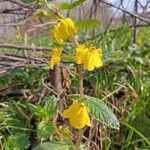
{"points": [[13, 92], [24, 47], [130, 13], [135, 22], [21, 4]]}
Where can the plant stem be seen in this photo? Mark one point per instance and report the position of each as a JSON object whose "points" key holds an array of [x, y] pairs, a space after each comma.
{"points": [[80, 132], [80, 79], [80, 71], [56, 81]]}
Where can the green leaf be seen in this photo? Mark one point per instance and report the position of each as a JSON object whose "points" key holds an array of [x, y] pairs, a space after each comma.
{"points": [[71, 5], [18, 141], [54, 146], [74, 96], [100, 111], [85, 24], [137, 132], [38, 110], [49, 109], [50, 106], [113, 56], [45, 129]]}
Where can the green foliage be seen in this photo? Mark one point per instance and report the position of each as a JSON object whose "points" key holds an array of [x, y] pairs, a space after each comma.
{"points": [[43, 13], [74, 96], [71, 5], [86, 24], [137, 132], [11, 117], [18, 141], [13, 127], [46, 113], [27, 1], [143, 36], [100, 111], [44, 41], [45, 129], [53, 146], [32, 78], [123, 81]]}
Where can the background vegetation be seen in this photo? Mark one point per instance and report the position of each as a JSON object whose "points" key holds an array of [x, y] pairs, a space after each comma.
{"points": [[28, 104]]}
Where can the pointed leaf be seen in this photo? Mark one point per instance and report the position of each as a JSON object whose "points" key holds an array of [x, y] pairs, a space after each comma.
{"points": [[85, 24], [100, 111], [71, 5]]}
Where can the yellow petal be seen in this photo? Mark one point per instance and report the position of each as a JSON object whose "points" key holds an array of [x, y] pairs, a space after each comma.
{"points": [[80, 53], [70, 111], [93, 58], [55, 57], [78, 115], [64, 29]]}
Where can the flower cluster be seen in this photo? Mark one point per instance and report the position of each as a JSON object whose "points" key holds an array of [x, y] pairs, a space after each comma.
{"points": [[64, 29], [90, 57]]}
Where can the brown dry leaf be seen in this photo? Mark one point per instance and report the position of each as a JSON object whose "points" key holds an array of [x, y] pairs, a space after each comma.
{"points": [[66, 78]]}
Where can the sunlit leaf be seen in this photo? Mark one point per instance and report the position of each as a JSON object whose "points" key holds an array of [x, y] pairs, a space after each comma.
{"points": [[18, 141], [45, 129], [72, 5], [100, 111], [85, 24]]}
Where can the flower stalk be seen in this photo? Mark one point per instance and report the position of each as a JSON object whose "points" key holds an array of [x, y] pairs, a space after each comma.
{"points": [[80, 71], [80, 132]]}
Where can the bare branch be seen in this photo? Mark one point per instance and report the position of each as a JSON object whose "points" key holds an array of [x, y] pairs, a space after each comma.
{"points": [[130, 13], [20, 4], [24, 47]]}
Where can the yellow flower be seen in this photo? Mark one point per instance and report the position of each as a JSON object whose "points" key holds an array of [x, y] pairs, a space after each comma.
{"points": [[93, 58], [89, 57], [64, 29], [80, 53], [78, 115], [55, 57]]}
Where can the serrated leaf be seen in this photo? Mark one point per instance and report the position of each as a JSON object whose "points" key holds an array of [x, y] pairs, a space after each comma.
{"points": [[85, 24], [45, 129], [50, 106], [38, 110], [100, 111], [54, 146], [71, 5], [48, 111]]}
